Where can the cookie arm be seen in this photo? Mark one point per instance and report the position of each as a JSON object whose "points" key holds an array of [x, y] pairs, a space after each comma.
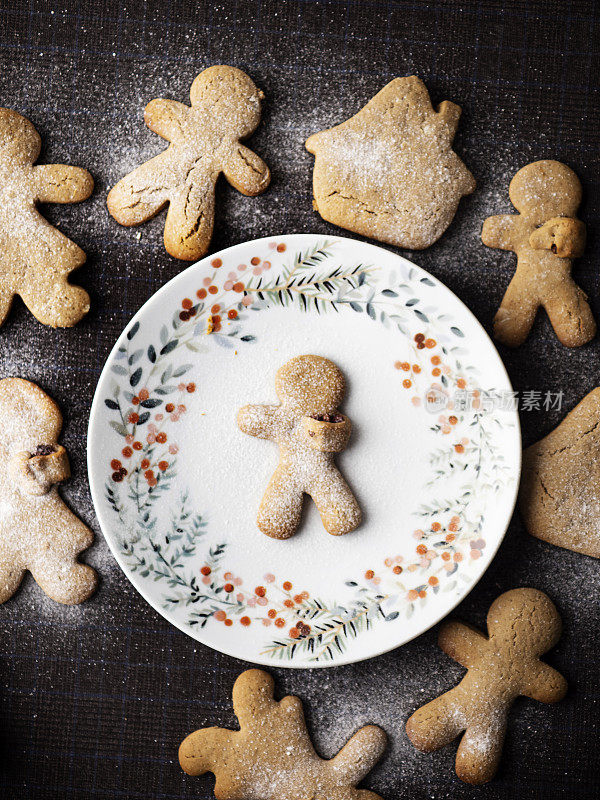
{"points": [[462, 643], [257, 421], [450, 114], [141, 194], [545, 684], [498, 231], [59, 183], [359, 755], [35, 475], [246, 171], [204, 750], [253, 696], [315, 141], [565, 237], [167, 118]]}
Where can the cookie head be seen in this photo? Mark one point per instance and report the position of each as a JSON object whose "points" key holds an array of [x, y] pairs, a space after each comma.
{"points": [[310, 385], [20, 143], [231, 95], [546, 189], [31, 420], [527, 618]]}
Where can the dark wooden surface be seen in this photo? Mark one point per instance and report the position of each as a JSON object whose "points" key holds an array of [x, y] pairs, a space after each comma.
{"points": [[95, 700]]}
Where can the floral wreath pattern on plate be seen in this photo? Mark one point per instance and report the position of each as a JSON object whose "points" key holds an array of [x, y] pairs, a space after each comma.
{"points": [[150, 394]]}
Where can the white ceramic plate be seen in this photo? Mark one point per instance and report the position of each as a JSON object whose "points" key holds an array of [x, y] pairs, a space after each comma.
{"points": [[176, 485]]}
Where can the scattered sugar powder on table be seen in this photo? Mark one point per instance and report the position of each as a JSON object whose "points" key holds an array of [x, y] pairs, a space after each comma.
{"points": [[385, 690]]}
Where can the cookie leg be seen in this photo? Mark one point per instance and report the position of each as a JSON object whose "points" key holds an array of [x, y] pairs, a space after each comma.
{"points": [[66, 583], [437, 723], [337, 505], [56, 302], [360, 754], [281, 507], [479, 752], [11, 576], [570, 315], [516, 315], [190, 219]]}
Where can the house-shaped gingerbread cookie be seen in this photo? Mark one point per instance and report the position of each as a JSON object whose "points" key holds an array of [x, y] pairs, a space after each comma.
{"points": [[390, 172]]}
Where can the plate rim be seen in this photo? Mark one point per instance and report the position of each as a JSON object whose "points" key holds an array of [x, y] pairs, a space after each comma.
{"points": [[345, 659]]}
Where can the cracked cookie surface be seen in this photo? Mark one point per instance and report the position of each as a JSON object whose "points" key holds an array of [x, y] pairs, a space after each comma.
{"points": [[390, 172], [522, 625], [204, 142], [560, 488], [272, 757]]}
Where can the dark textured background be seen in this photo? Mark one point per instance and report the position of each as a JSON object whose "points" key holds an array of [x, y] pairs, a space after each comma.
{"points": [[95, 700]]}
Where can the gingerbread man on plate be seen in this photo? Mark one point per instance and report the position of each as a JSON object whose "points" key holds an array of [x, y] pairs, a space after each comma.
{"points": [[308, 429]]}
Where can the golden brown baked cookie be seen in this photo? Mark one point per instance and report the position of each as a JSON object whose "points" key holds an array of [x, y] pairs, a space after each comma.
{"points": [[272, 757], [390, 172], [35, 257], [308, 429], [560, 486], [204, 142], [37, 531], [546, 236], [522, 625]]}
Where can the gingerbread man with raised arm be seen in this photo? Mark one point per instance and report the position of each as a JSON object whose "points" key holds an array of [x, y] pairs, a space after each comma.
{"points": [[309, 430], [546, 236], [37, 531], [272, 757], [204, 142], [522, 625], [35, 257]]}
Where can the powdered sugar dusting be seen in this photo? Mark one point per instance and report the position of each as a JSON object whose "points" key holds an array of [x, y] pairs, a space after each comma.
{"points": [[35, 258], [390, 172], [272, 757], [204, 141], [37, 531]]}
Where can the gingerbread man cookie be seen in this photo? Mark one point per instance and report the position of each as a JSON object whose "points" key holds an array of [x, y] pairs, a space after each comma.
{"points": [[35, 257], [272, 757], [560, 487], [308, 429], [37, 531], [390, 172], [204, 142], [546, 236], [522, 625]]}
